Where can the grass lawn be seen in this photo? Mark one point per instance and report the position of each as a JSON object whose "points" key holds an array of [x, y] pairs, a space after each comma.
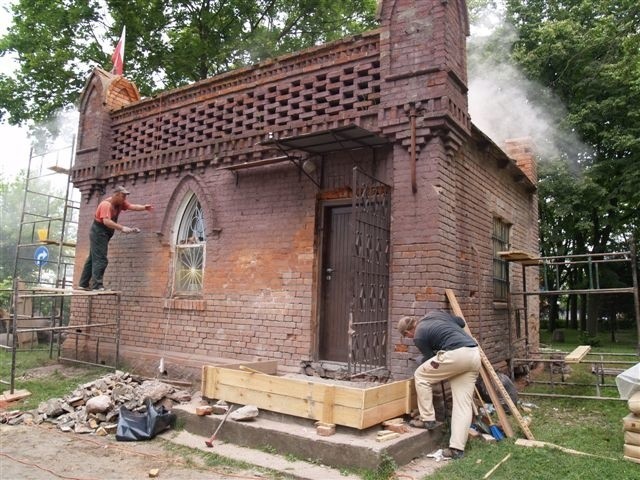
{"points": [[54, 383], [589, 426]]}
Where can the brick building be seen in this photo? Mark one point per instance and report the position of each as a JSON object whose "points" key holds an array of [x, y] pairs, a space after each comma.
{"points": [[304, 204]]}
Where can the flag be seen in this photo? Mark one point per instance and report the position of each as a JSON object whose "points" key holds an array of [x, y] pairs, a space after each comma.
{"points": [[118, 55]]}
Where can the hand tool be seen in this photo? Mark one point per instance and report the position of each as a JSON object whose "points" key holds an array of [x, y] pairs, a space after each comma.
{"points": [[209, 442]]}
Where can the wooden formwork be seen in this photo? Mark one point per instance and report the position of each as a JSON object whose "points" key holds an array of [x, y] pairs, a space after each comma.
{"points": [[328, 403]]}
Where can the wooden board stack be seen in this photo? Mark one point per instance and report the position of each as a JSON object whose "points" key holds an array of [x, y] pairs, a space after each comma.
{"points": [[631, 427]]}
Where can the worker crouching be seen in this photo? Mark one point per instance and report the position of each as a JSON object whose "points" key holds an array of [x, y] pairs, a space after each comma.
{"points": [[448, 353]]}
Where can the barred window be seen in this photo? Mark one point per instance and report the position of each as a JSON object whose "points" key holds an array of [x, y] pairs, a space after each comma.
{"points": [[500, 240], [190, 249]]}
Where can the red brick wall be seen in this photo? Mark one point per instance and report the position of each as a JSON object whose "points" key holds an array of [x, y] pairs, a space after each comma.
{"points": [[260, 295], [442, 239]]}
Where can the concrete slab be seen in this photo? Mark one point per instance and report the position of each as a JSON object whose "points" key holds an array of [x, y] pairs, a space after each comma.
{"points": [[297, 437], [294, 468]]}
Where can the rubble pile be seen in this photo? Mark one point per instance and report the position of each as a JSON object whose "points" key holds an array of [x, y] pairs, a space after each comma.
{"points": [[95, 406]]}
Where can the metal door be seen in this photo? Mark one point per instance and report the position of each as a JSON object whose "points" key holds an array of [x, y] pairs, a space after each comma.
{"points": [[336, 279]]}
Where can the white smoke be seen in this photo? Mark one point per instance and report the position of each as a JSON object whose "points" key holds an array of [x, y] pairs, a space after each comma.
{"points": [[504, 104]]}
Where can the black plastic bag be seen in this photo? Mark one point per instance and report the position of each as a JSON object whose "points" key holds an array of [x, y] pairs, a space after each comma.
{"points": [[134, 426]]}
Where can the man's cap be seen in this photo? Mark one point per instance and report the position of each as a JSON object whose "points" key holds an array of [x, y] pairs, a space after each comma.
{"points": [[121, 189]]}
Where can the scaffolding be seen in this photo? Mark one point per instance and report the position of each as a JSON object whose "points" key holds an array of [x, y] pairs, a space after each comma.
{"points": [[591, 265], [43, 268]]}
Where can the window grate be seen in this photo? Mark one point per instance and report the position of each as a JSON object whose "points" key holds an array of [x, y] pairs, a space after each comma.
{"points": [[500, 241]]}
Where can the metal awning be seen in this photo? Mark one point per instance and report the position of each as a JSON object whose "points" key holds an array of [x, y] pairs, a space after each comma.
{"points": [[349, 137]]}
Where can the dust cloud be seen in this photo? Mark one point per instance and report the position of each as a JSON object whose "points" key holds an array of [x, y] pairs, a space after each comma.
{"points": [[504, 104]]}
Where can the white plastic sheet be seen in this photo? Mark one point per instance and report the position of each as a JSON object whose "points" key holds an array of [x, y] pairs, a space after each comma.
{"points": [[628, 382]]}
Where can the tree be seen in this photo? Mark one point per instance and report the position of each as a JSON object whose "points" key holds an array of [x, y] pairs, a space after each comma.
{"points": [[169, 43], [47, 203], [587, 52]]}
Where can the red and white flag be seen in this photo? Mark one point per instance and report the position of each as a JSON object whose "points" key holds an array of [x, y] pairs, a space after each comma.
{"points": [[118, 55]]}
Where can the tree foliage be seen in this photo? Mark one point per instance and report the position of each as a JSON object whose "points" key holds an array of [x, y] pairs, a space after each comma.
{"points": [[169, 43], [587, 52]]}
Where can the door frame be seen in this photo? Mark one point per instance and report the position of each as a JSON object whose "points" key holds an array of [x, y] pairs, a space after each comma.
{"points": [[324, 207]]}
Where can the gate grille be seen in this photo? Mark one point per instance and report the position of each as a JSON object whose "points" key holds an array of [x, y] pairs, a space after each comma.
{"points": [[370, 230]]}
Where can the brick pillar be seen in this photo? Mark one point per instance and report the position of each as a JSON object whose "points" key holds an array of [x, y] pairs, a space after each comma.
{"points": [[521, 150]]}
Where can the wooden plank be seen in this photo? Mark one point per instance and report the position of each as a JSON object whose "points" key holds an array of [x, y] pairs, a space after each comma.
{"points": [[270, 385], [578, 354], [411, 397], [384, 436], [328, 404], [269, 367], [298, 407], [486, 372], [208, 379], [384, 393], [495, 400], [380, 413], [16, 395], [288, 387], [520, 257], [535, 443]]}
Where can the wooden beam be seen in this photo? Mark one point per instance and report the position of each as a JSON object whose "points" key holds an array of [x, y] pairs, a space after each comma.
{"points": [[16, 395], [491, 373], [535, 443], [328, 404], [578, 354]]}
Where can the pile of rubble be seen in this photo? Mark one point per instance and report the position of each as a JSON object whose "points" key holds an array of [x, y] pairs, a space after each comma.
{"points": [[94, 407]]}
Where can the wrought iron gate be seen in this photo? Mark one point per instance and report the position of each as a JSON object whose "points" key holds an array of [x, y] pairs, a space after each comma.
{"points": [[370, 230]]}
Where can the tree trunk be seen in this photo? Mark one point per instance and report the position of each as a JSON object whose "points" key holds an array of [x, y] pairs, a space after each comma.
{"points": [[573, 308], [583, 312], [553, 312], [612, 324], [592, 315]]}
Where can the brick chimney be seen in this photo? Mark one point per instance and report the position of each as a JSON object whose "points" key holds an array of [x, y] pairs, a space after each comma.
{"points": [[521, 150]]}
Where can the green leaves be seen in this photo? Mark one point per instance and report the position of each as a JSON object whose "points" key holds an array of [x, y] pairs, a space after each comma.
{"points": [[169, 43], [587, 52]]}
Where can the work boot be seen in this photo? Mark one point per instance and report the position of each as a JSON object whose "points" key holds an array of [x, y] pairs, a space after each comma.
{"points": [[452, 453], [426, 424]]}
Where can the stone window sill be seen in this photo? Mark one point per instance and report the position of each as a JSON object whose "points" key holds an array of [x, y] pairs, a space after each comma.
{"points": [[500, 305]]}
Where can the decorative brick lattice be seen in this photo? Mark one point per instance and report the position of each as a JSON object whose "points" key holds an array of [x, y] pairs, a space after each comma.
{"points": [[223, 120]]}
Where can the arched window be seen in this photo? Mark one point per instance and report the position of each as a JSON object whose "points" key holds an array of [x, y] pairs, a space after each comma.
{"points": [[190, 249]]}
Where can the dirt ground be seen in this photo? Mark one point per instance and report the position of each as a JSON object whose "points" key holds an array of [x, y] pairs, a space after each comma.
{"points": [[42, 452]]}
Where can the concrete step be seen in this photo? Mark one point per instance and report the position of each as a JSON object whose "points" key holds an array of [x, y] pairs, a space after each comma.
{"points": [[292, 468], [297, 437]]}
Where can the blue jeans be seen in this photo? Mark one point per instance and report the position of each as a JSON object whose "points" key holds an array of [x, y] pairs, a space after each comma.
{"points": [[97, 261]]}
